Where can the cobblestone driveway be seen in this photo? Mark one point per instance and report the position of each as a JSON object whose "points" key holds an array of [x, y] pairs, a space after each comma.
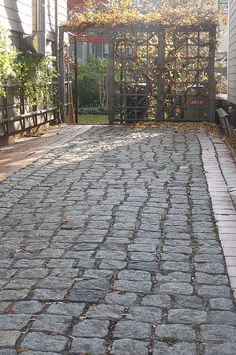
{"points": [[109, 246]]}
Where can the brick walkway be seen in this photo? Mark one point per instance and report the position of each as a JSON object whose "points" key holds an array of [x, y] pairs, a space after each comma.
{"points": [[109, 245], [28, 149]]}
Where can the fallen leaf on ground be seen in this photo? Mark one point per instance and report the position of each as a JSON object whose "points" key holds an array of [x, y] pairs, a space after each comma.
{"points": [[9, 309], [54, 333], [115, 290], [82, 317], [21, 350], [78, 279]]}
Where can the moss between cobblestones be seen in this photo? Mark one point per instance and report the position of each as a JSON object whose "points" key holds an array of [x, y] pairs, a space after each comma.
{"points": [[32, 290], [168, 340]]}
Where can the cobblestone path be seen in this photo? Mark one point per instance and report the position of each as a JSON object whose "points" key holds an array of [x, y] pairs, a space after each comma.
{"points": [[109, 246]]}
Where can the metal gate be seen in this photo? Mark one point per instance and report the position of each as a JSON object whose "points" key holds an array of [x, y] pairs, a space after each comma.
{"points": [[159, 74]]}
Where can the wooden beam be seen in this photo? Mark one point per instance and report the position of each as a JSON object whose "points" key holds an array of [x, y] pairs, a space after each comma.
{"points": [[134, 28]]}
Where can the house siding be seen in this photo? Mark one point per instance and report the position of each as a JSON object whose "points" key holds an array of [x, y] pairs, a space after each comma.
{"points": [[16, 15], [50, 13], [232, 52], [20, 15]]}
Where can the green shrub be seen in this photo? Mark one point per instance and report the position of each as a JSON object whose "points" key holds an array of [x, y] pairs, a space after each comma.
{"points": [[100, 110], [8, 54], [92, 81], [35, 76]]}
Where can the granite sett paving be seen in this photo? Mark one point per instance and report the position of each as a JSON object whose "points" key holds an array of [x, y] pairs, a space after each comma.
{"points": [[113, 244]]}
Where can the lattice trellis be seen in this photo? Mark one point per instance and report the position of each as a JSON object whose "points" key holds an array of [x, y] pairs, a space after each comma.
{"points": [[161, 74], [157, 73]]}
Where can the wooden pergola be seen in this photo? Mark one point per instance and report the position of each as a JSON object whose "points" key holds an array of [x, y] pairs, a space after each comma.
{"points": [[156, 72]]}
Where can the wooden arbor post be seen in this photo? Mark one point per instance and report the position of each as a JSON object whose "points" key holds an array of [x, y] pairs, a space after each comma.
{"points": [[111, 80], [211, 74], [61, 74], [161, 82]]}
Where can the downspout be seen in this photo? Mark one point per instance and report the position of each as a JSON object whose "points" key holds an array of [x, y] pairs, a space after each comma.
{"points": [[36, 42]]}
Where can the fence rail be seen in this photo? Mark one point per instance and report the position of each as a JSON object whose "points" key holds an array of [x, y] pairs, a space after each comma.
{"points": [[17, 114], [5, 123]]}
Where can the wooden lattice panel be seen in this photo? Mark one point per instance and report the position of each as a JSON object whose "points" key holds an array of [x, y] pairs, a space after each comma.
{"points": [[161, 74]]}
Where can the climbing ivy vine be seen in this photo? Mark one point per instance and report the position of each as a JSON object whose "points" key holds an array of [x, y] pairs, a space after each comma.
{"points": [[35, 76], [8, 56]]}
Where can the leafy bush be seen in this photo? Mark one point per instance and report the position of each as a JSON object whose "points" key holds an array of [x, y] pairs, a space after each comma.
{"points": [[101, 110], [92, 79], [8, 55], [35, 76]]}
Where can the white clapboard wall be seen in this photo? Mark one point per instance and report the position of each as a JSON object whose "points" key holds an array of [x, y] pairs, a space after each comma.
{"points": [[20, 15], [232, 52]]}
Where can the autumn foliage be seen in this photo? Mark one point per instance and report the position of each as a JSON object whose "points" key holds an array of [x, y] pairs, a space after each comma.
{"points": [[103, 14], [82, 5]]}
